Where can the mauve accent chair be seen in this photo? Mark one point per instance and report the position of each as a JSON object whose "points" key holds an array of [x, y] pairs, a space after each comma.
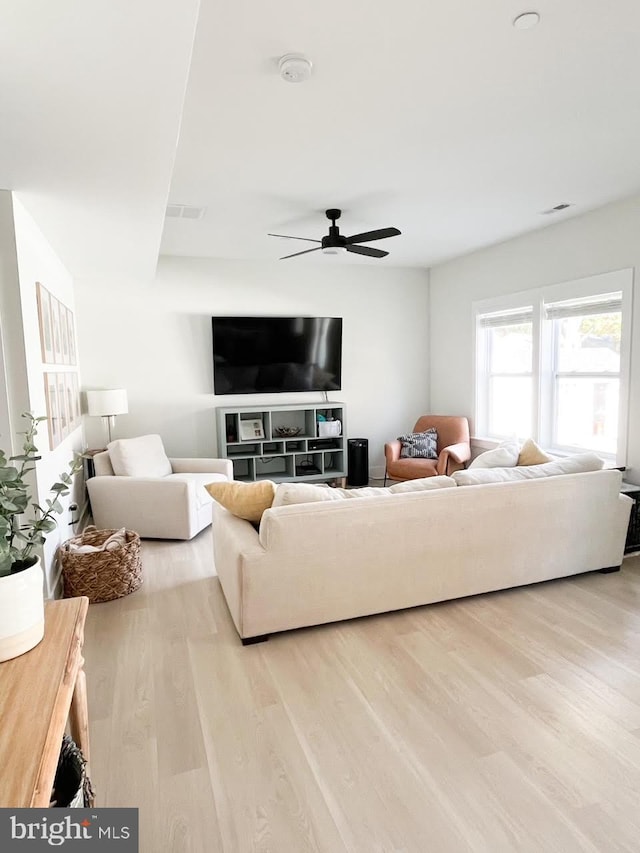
{"points": [[454, 449]]}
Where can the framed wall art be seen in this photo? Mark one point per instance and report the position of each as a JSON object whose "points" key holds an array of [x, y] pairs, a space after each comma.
{"points": [[56, 331], [72, 400], [64, 333], [73, 356], [44, 319], [53, 416], [63, 413]]}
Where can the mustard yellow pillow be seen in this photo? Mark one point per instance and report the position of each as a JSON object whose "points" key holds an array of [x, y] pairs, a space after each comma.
{"points": [[246, 500], [531, 454]]}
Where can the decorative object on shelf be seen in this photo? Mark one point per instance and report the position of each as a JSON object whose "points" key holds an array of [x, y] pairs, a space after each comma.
{"points": [[329, 428], [287, 432], [251, 429], [107, 403], [21, 592]]}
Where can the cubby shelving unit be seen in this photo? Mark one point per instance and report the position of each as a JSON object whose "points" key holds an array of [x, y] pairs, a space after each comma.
{"points": [[270, 456]]}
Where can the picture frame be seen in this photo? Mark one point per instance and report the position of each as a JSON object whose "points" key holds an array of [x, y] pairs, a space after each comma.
{"points": [[43, 298], [64, 333], [250, 430], [75, 398], [71, 331], [56, 331], [53, 418], [70, 402], [63, 414]]}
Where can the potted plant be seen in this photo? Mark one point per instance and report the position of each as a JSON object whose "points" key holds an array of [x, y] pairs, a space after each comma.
{"points": [[21, 593]]}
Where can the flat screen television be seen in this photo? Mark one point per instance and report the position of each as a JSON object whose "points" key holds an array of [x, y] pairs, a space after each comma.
{"points": [[258, 355]]}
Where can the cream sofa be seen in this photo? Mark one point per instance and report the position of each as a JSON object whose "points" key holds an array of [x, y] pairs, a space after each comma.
{"points": [[137, 486], [312, 563]]}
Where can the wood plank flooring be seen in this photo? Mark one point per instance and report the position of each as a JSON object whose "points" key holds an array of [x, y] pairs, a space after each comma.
{"points": [[505, 722]]}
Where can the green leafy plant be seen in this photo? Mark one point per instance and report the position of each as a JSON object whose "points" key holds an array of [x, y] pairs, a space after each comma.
{"points": [[20, 536]]}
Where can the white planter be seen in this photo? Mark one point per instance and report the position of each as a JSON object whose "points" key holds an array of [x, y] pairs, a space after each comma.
{"points": [[21, 611]]}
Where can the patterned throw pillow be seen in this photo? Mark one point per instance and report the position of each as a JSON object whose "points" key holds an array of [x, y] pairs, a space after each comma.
{"points": [[422, 445]]}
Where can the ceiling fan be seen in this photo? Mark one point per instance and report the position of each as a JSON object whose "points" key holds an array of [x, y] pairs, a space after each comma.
{"points": [[334, 243]]}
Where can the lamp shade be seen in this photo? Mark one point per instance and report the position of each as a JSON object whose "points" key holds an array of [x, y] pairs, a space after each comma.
{"points": [[107, 401]]}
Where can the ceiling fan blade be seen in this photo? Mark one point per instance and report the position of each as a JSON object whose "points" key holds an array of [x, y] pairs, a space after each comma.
{"points": [[306, 252], [365, 250], [288, 237], [368, 236]]}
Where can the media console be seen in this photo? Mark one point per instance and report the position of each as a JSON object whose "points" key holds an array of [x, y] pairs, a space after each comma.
{"points": [[252, 438]]}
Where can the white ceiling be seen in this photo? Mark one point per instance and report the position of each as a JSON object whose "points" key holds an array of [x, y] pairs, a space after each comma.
{"points": [[439, 119], [91, 96]]}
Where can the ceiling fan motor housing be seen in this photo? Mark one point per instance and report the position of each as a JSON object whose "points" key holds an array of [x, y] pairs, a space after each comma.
{"points": [[334, 238]]}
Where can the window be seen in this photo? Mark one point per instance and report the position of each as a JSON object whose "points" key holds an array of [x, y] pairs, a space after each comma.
{"points": [[507, 374], [586, 372], [554, 364]]}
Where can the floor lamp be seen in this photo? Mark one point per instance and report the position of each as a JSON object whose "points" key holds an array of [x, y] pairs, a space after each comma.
{"points": [[107, 403]]}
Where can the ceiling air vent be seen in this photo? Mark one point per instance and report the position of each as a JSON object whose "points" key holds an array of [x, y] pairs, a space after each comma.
{"points": [[557, 208], [185, 211]]}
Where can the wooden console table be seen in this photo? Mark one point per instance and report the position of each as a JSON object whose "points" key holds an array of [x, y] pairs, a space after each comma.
{"points": [[39, 691]]}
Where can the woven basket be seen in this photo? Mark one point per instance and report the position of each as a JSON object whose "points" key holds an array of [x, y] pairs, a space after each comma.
{"points": [[103, 575]]}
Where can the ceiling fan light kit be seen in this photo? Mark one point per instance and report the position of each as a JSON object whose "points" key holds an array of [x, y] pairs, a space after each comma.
{"points": [[295, 68], [335, 244]]}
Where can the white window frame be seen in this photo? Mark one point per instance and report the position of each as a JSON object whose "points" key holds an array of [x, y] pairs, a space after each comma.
{"points": [[483, 374], [543, 354]]}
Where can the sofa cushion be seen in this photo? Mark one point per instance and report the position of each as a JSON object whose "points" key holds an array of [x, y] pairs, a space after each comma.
{"points": [[531, 454], [577, 464], [304, 493], [423, 484], [245, 500], [201, 481], [419, 445], [143, 456], [505, 455]]}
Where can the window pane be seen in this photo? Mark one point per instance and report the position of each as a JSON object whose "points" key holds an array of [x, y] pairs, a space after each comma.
{"points": [[510, 405], [510, 349], [587, 413], [589, 344]]}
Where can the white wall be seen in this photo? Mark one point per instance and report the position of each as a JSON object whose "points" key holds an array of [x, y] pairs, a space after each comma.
{"points": [[36, 261], [155, 340], [604, 240]]}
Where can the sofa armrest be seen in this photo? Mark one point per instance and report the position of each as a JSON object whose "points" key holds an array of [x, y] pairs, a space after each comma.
{"points": [[152, 506], [203, 466], [453, 457], [392, 450], [234, 542]]}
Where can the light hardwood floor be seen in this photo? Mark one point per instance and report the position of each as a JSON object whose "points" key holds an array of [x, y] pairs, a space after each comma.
{"points": [[505, 722]]}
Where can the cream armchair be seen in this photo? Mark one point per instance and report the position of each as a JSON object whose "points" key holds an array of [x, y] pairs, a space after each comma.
{"points": [[137, 486]]}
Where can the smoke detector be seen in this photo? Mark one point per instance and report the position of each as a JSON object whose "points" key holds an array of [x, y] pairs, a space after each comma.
{"points": [[295, 68], [526, 21]]}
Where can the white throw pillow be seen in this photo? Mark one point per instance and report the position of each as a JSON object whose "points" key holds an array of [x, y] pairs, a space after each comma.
{"points": [[143, 456], [580, 463], [505, 455]]}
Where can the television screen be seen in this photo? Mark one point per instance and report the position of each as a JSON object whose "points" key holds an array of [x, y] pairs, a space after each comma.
{"points": [[272, 354]]}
